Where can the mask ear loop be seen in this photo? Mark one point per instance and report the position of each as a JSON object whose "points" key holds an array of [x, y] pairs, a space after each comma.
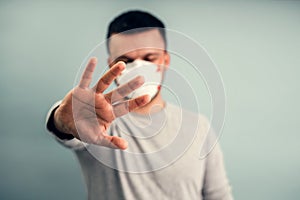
{"points": [[162, 68]]}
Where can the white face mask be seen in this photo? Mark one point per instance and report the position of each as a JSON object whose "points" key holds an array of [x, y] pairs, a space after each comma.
{"points": [[152, 73]]}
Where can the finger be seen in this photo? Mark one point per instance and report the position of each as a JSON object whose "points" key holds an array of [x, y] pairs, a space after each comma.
{"points": [[109, 141], [125, 89], [116, 142], [87, 75], [125, 107], [109, 76]]}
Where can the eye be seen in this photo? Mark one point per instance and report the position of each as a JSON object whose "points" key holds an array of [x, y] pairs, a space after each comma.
{"points": [[125, 60], [151, 58]]}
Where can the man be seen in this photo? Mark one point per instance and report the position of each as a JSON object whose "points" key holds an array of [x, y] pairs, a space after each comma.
{"points": [[88, 118]]}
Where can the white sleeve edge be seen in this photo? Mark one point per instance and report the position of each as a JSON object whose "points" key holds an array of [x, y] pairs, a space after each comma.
{"points": [[74, 143]]}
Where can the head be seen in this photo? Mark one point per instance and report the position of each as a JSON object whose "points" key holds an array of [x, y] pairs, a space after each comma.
{"points": [[137, 35]]}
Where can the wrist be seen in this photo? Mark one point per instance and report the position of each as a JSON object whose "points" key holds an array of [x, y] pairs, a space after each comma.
{"points": [[55, 126]]}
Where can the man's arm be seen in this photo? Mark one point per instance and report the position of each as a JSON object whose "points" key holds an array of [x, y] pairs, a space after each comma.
{"points": [[52, 128], [216, 185], [86, 112]]}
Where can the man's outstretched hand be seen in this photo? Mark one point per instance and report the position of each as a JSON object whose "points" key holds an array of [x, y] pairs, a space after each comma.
{"points": [[87, 113]]}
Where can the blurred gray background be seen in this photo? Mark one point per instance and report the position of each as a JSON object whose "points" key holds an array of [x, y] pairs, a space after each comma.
{"points": [[255, 44]]}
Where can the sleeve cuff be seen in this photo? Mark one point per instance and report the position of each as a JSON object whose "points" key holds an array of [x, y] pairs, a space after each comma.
{"points": [[66, 140]]}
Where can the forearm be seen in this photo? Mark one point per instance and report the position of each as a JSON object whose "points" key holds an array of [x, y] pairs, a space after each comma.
{"points": [[51, 126], [216, 184], [64, 139]]}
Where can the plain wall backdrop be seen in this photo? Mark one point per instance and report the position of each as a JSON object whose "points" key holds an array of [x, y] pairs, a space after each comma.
{"points": [[255, 44]]}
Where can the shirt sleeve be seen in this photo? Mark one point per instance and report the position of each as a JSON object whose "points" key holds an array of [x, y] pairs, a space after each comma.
{"points": [[65, 139], [216, 185]]}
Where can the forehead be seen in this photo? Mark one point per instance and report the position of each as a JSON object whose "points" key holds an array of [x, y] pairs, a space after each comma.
{"points": [[122, 44]]}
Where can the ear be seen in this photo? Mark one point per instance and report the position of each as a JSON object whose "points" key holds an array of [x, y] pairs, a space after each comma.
{"points": [[167, 59]]}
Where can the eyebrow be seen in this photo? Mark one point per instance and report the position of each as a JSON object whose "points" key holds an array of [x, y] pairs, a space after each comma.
{"points": [[151, 54], [129, 59]]}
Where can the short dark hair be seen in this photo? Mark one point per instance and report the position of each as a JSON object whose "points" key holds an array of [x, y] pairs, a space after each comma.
{"points": [[138, 20]]}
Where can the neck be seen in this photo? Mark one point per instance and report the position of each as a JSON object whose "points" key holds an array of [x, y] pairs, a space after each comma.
{"points": [[155, 105]]}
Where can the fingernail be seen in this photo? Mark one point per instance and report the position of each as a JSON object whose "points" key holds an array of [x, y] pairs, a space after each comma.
{"points": [[94, 60], [146, 99], [121, 64]]}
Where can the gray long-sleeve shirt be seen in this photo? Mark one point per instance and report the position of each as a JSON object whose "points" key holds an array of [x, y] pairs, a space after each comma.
{"points": [[161, 162]]}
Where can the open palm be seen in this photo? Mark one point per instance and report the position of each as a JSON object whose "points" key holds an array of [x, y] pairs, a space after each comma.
{"points": [[87, 113]]}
